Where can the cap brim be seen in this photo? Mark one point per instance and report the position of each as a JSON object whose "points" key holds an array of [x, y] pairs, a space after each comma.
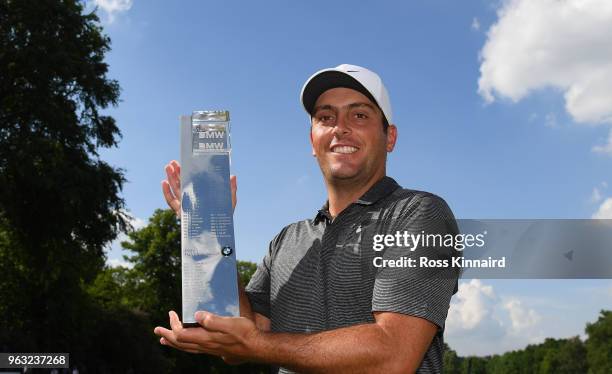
{"points": [[327, 80]]}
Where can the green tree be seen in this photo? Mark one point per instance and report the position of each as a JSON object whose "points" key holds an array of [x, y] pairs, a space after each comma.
{"points": [[116, 321], [452, 363], [573, 357], [563, 356], [514, 362], [474, 365], [552, 356], [59, 203], [153, 287], [246, 270], [599, 343], [156, 257]]}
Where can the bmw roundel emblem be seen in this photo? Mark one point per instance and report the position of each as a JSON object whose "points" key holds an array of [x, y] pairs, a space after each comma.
{"points": [[226, 251]]}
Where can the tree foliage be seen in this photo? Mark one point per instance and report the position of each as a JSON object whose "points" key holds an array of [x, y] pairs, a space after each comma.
{"points": [[59, 203], [156, 258], [246, 270], [153, 287], [551, 356], [451, 362], [599, 343]]}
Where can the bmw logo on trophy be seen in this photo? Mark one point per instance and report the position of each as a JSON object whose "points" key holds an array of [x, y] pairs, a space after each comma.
{"points": [[209, 275]]}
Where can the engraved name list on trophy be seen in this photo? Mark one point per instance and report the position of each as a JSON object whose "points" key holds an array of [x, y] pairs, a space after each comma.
{"points": [[208, 259]]}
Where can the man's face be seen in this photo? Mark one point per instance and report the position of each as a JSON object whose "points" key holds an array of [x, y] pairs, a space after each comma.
{"points": [[347, 136]]}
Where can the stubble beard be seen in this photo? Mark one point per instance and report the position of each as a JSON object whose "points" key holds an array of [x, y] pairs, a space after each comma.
{"points": [[352, 177]]}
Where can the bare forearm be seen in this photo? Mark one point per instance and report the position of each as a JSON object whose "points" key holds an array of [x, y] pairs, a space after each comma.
{"points": [[243, 300], [356, 349], [246, 310]]}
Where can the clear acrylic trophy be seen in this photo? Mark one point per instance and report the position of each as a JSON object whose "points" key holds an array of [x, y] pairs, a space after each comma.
{"points": [[209, 275]]}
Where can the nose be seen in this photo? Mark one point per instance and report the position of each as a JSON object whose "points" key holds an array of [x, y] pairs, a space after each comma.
{"points": [[342, 126]]}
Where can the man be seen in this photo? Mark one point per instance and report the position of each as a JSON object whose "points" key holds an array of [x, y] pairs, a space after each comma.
{"points": [[317, 303]]}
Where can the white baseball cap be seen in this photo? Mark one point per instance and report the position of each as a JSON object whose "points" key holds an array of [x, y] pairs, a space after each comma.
{"points": [[350, 76]]}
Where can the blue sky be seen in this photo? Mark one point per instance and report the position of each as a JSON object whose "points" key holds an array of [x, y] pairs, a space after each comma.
{"points": [[497, 133]]}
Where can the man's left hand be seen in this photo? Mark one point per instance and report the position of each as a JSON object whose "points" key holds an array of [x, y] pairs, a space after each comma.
{"points": [[231, 338]]}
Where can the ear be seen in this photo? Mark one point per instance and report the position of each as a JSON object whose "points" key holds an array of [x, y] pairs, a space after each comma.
{"points": [[391, 137]]}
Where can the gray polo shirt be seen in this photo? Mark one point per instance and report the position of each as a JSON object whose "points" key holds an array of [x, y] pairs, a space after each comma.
{"points": [[319, 275]]}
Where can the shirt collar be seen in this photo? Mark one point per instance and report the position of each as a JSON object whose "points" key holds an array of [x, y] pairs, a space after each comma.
{"points": [[380, 189], [323, 214]]}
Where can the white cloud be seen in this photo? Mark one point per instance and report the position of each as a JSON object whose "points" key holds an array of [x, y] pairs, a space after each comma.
{"points": [[606, 148], [474, 302], [475, 24], [113, 7], [605, 210], [521, 317], [521, 312], [480, 322], [549, 43]]}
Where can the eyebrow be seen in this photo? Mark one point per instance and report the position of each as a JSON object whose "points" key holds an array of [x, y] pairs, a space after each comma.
{"points": [[350, 106]]}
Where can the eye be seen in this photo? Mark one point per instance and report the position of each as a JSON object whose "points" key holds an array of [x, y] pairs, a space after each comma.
{"points": [[326, 118], [360, 115]]}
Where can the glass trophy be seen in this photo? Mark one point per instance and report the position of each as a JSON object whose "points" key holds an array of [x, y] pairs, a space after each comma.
{"points": [[208, 258]]}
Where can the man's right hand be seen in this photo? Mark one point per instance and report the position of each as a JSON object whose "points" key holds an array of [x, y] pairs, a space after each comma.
{"points": [[171, 187]]}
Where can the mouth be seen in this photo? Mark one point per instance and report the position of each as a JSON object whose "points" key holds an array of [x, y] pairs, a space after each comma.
{"points": [[344, 149]]}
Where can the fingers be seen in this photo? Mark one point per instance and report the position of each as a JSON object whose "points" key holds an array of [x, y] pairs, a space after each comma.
{"points": [[199, 338], [169, 169], [179, 336], [182, 334], [174, 176], [202, 340], [182, 346], [171, 186], [214, 323], [167, 337], [175, 322], [234, 188], [193, 340], [176, 166], [172, 201]]}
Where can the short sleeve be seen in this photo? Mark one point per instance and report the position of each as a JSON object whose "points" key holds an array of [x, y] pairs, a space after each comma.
{"points": [[418, 291], [258, 289]]}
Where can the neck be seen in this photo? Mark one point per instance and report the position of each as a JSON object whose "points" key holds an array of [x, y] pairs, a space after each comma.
{"points": [[342, 193]]}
